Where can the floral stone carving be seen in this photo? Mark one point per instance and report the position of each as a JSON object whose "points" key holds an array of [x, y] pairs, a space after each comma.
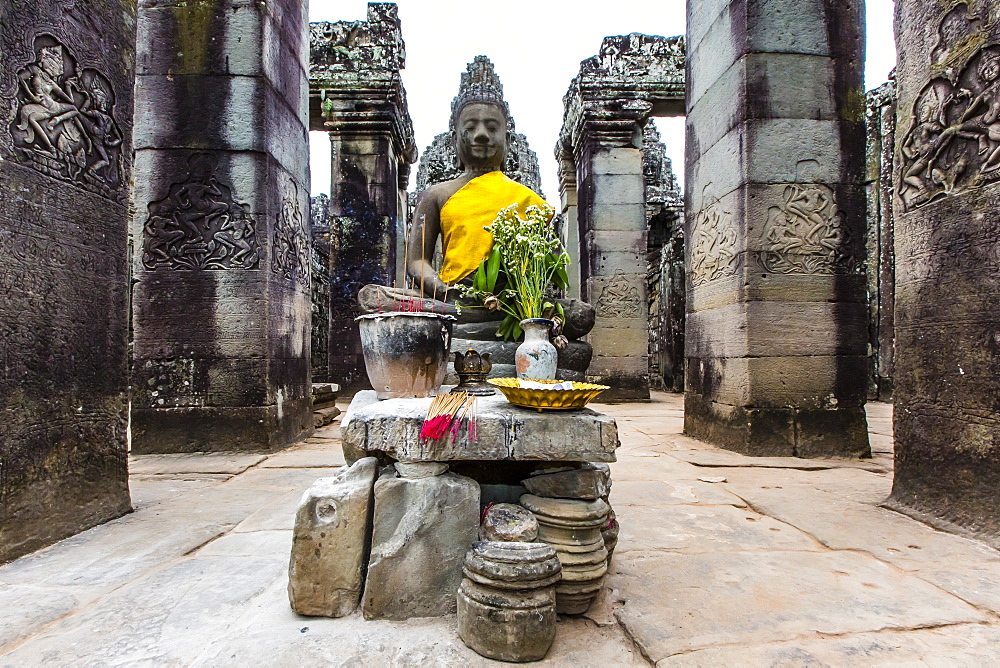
{"points": [[619, 298], [199, 225], [805, 234], [64, 125]]}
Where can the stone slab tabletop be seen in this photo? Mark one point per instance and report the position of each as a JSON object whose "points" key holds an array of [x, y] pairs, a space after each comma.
{"points": [[507, 432]]}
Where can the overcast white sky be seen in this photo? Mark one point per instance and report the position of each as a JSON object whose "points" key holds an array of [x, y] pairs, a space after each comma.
{"points": [[536, 47]]}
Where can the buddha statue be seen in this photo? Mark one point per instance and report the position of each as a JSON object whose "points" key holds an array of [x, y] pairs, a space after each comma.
{"points": [[454, 212]]}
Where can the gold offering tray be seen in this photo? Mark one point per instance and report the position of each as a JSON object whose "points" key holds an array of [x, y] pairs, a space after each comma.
{"points": [[558, 400]]}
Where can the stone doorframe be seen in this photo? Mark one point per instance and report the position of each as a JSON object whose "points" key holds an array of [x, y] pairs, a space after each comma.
{"points": [[603, 195]]}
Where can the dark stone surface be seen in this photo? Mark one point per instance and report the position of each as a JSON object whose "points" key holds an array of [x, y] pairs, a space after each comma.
{"points": [[64, 267], [947, 389], [221, 232]]}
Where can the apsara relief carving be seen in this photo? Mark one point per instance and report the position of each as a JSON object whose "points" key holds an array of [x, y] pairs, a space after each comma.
{"points": [[954, 140], [619, 298], [199, 225], [713, 245], [805, 233], [64, 122], [290, 244]]}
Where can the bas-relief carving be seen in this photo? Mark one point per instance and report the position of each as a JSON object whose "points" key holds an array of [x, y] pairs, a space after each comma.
{"points": [[199, 225], [805, 234], [713, 246], [64, 123], [619, 298], [290, 244], [954, 140]]}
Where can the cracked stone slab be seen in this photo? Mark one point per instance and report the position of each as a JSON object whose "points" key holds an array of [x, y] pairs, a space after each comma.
{"points": [[505, 431], [750, 598], [679, 492], [193, 462], [962, 645], [698, 529], [967, 568], [724, 458]]}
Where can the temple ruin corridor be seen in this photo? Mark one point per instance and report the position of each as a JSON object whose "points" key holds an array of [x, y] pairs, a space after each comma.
{"points": [[723, 559]]}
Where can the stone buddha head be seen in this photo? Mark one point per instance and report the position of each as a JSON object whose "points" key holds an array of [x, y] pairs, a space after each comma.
{"points": [[480, 121]]}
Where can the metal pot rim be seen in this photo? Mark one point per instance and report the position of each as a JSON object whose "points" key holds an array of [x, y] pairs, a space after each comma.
{"points": [[412, 314]]}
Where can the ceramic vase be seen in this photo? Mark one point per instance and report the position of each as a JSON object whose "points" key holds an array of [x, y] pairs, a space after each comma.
{"points": [[536, 357], [406, 354]]}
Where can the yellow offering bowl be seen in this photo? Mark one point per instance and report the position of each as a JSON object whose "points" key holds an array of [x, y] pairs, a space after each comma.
{"points": [[557, 400]]}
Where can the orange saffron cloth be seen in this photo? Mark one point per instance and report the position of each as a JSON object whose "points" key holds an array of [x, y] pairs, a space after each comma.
{"points": [[464, 242]]}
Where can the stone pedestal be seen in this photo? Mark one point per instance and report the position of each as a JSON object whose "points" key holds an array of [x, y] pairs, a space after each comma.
{"points": [[776, 340], [947, 394], [221, 244], [65, 165], [331, 541], [573, 528], [507, 604], [422, 529]]}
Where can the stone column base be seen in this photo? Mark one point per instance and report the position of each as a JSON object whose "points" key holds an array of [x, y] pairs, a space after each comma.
{"points": [[220, 429], [778, 432]]}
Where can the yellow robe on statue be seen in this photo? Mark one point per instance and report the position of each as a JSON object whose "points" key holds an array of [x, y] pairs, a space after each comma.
{"points": [[464, 242]]}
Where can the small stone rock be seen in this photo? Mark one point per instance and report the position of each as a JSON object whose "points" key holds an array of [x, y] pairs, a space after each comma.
{"points": [[712, 478], [508, 522], [329, 541], [588, 481], [422, 529]]}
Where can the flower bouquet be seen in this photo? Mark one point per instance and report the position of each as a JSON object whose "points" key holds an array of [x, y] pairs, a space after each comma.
{"points": [[527, 260]]}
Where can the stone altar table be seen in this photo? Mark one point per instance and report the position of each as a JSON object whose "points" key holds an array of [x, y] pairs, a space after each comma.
{"points": [[506, 432]]}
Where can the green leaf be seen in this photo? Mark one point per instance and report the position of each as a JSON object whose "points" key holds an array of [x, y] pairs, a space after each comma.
{"points": [[562, 311], [479, 281], [517, 331], [561, 278], [492, 269]]}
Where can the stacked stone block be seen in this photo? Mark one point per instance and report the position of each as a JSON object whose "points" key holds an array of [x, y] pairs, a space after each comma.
{"points": [[776, 339], [65, 162], [220, 234], [947, 374]]}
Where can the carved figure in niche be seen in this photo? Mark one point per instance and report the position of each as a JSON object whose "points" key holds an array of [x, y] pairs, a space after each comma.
{"points": [[456, 211], [805, 233], [954, 142], [290, 247], [713, 250], [64, 125], [199, 225], [619, 298]]}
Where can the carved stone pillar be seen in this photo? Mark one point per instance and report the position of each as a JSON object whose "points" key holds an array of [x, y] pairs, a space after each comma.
{"points": [[358, 97], [570, 232], [947, 390], [776, 340], [65, 165], [221, 261], [611, 216]]}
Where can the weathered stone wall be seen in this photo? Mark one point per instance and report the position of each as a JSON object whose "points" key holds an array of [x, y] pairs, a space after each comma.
{"points": [[947, 216], [777, 317], [221, 240], [66, 72], [357, 95], [319, 220], [881, 263]]}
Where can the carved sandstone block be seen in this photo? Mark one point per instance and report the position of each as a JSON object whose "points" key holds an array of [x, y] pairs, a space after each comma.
{"points": [[330, 542]]}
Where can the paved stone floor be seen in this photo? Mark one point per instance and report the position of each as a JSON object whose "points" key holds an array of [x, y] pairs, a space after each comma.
{"points": [[722, 560]]}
